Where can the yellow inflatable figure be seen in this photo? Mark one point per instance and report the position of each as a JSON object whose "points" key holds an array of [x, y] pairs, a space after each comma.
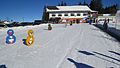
{"points": [[30, 38]]}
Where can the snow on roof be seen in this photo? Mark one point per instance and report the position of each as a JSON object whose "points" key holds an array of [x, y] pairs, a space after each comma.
{"points": [[69, 8], [94, 11]]}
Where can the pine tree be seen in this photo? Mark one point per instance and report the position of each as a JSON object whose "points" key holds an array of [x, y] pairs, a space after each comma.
{"points": [[59, 4], [45, 16], [62, 4], [92, 5], [79, 3], [111, 9], [85, 3], [96, 5], [65, 4]]}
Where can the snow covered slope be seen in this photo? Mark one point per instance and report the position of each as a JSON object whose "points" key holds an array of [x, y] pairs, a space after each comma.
{"points": [[77, 46]]}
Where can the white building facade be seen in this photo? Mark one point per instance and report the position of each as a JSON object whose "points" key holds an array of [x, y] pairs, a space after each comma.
{"points": [[68, 13]]}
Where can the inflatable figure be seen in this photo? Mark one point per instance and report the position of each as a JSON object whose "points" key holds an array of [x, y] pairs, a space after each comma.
{"points": [[10, 39], [30, 38]]}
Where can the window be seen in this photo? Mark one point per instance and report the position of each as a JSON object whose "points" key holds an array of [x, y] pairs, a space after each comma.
{"points": [[66, 15], [53, 15], [85, 14], [59, 14], [72, 14], [78, 14]]}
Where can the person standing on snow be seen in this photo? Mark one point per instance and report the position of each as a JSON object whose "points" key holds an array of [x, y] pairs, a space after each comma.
{"points": [[105, 25], [108, 20], [90, 21]]}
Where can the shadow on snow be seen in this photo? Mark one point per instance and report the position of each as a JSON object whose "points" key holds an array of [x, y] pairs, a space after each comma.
{"points": [[96, 55], [3, 66], [107, 56], [79, 65], [115, 53], [24, 41]]}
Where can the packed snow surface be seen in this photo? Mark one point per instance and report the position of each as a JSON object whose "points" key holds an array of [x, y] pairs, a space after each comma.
{"points": [[76, 46]]}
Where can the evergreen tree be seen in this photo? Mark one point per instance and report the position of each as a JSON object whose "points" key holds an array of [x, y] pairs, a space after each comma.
{"points": [[62, 4], [96, 5], [111, 9], [45, 16], [79, 3], [65, 4], [85, 3], [92, 5], [59, 4]]}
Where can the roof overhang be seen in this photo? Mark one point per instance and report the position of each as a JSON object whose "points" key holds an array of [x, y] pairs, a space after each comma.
{"points": [[68, 8]]}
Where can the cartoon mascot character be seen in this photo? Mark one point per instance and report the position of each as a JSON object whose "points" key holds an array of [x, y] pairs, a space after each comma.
{"points": [[10, 39], [30, 38]]}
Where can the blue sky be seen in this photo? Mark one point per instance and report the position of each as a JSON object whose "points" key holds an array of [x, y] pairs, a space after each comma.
{"points": [[30, 10]]}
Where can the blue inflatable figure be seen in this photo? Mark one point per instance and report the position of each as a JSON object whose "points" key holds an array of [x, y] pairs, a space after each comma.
{"points": [[10, 38]]}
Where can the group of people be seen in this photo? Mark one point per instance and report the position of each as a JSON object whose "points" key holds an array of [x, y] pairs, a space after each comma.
{"points": [[105, 23]]}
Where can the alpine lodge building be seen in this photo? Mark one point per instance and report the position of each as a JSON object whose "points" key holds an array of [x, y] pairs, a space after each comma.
{"points": [[66, 14]]}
